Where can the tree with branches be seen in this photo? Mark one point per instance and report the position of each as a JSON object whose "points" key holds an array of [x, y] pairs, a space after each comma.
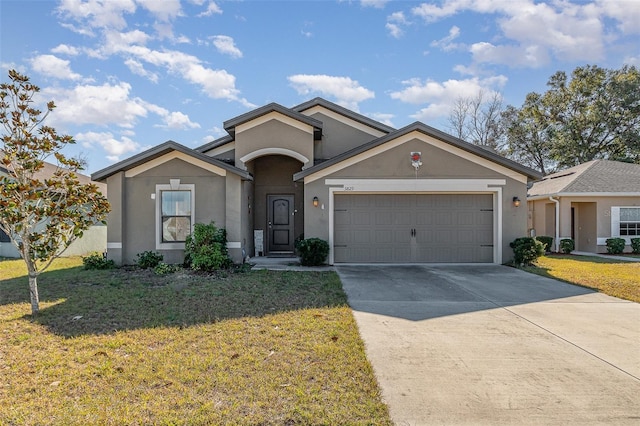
{"points": [[476, 119], [41, 215]]}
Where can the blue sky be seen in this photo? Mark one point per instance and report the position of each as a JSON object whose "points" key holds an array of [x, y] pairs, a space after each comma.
{"points": [[130, 74]]}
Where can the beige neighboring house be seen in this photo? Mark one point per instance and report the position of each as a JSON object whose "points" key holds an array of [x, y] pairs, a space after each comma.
{"points": [[588, 203], [93, 239], [375, 193]]}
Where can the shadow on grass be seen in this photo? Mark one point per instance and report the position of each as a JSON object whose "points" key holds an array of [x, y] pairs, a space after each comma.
{"points": [[77, 302]]}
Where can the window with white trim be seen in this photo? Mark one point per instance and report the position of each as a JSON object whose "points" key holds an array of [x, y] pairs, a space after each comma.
{"points": [[629, 221], [174, 214]]}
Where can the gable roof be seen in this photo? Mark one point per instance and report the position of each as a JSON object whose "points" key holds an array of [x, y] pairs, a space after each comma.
{"points": [[214, 144], [230, 125], [593, 177], [429, 131], [345, 112], [159, 151]]}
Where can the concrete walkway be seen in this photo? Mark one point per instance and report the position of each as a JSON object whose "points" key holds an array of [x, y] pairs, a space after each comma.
{"points": [[492, 345], [607, 256], [284, 264]]}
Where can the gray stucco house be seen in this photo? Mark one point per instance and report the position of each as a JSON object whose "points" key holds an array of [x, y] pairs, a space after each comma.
{"points": [[588, 203], [375, 193]]}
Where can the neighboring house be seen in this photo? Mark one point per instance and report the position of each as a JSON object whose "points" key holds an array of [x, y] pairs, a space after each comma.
{"points": [[588, 203], [93, 239], [376, 194]]}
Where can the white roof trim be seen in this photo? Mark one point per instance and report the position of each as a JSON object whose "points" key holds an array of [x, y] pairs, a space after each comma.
{"points": [[171, 156], [347, 162], [221, 149], [319, 109], [274, 151], [274, 115]]}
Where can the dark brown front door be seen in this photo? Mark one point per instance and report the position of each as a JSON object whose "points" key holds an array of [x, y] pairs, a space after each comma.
{"points": [[280, 223]]}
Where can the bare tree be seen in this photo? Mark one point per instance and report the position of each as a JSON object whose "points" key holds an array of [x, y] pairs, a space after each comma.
{"points": [[476, 119]]}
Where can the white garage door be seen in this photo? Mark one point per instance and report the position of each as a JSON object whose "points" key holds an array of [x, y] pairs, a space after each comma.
{"points": [[423, 228]]}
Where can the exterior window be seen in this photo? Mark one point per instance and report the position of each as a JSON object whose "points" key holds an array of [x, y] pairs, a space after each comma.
{"points": [[629, 221], [176, 215], [4, 238]]}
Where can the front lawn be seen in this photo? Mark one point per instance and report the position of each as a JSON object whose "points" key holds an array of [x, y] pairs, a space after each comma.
{"points": [[608, 275], [130, 347]]}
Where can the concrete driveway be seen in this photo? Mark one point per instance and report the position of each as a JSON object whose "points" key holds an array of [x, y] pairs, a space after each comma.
{"points": [[488, 344]]}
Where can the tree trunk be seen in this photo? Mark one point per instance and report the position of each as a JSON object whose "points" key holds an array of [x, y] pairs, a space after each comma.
{"points": [[33, 289]]}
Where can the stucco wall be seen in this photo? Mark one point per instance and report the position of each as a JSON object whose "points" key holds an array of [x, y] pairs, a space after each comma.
{"points": [[140, 215], [273, 134], [543, 222], [339, 137], [437, 164]]}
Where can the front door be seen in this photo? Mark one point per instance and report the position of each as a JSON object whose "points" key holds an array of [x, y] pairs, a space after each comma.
{"points": [[280, 223]]}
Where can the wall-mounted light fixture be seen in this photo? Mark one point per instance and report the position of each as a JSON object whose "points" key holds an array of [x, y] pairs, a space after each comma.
{"points": [[516, 202], [316, 202]]}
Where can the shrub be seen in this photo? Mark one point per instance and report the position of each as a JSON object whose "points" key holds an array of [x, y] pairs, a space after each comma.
{"points": [[635, 245], [313, 251], [567, 245], [526, 250], [547, 241], [97, 261], [164, 269], [615, 245], [206, 248], [148, 259]]}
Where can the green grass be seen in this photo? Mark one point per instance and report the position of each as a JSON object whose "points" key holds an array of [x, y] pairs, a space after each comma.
{"points": [[128, 347], [611, 276]]}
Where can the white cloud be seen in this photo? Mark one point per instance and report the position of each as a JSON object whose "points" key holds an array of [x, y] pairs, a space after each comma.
{"points": [[137, 68], [446, 43], [178, 120], [440, 97], [164, 10], [96, 13], [378, 4], [114, 148], [212, 8], [536, 30], [53, 66], [394, 24], [383, 118], [346, 91], [226, 46], [65, 49], [98, 105]]}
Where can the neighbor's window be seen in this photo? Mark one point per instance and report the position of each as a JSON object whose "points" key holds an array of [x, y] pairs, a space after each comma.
{"points": [[176, 215], [4, 238], [629, 221]]}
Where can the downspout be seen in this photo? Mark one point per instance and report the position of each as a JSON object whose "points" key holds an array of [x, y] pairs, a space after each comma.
{"points": [[557, 237]]}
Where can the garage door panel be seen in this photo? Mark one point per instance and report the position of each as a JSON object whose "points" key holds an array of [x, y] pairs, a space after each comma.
{"points": [[448, 228]]}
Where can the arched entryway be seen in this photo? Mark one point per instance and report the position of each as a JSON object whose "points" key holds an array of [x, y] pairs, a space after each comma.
{"points": [[278, 202]]}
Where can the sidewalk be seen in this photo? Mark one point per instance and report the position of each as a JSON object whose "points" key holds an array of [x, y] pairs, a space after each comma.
{"points": [[284, 264], [607, 256]]}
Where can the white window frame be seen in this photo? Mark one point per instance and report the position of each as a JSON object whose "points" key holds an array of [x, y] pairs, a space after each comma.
{"points": [[175, 185], [615, 223]]}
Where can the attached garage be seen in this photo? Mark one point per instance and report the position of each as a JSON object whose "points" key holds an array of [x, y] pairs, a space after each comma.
{"points": [[420, 228]]}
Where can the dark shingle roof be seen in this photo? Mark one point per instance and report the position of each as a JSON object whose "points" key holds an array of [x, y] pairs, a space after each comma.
{"points": [[159, 151], [230, 125], [597, 176]]}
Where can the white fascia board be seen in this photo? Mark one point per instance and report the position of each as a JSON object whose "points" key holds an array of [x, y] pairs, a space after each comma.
{"points": [[318, 109], [417, 185], [426, 139], [221, 149], [274, 116], [171, 156]]}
